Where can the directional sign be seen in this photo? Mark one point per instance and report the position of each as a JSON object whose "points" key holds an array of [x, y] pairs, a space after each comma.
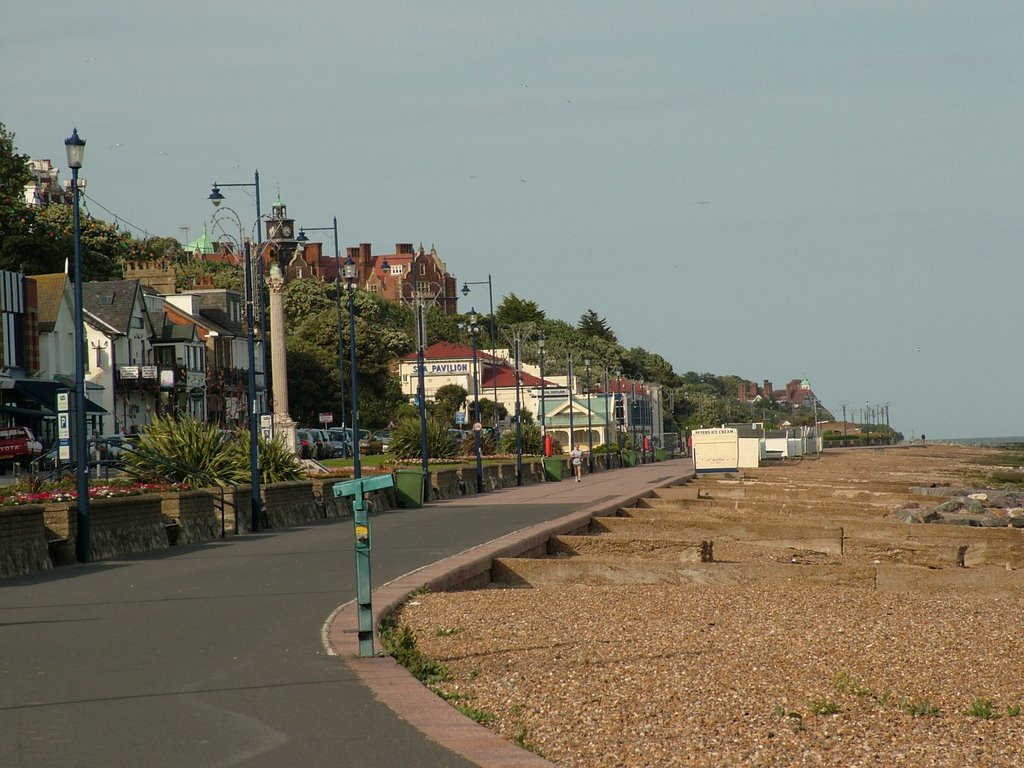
{"points": [[62, 401]]}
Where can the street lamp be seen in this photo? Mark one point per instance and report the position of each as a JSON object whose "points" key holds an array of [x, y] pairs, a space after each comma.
{"points": [[254, 453], [351, 275], [474, 331], [75, 148], [494, 339], [607, 424], [590, 424], [337, 303], [543, 427], [216, 198], [572, 436]]}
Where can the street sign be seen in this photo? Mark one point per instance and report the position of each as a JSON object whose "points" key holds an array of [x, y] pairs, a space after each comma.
{"points": [[326, 418], [477, 426], [196, 393], [460, 418], [63, 428], [62, 401]]}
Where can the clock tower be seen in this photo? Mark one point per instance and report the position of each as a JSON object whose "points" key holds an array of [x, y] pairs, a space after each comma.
{"points": [[279, 227]]}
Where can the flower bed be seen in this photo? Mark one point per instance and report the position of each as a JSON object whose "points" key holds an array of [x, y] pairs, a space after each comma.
{"points": [[55, 493]]}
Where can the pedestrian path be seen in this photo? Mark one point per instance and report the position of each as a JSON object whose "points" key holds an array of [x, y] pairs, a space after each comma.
{"points": [[214, 655]]}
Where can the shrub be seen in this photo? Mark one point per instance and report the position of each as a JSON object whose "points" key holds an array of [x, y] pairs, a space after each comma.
{"points": [[530, 437], [193, 452], [406, 440]]}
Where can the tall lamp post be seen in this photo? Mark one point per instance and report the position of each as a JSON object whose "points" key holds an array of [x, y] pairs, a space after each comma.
{"points": [[254, 453], [474, 331], [351, 275], [494, 338], [607, 423], [590, 422], [74, 146], [302, 238], [568, 381], [543, 426], [216, 197]]}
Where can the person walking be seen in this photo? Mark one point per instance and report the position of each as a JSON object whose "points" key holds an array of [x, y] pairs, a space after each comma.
{"points": [[576, 459]]}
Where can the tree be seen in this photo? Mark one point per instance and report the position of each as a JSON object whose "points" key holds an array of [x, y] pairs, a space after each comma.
{"points": [[592, 325], [447, 401], [513, 311]]}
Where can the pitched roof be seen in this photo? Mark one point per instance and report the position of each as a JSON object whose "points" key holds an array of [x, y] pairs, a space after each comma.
{"points": [[49, 293], [447, 350], [112, 301]]}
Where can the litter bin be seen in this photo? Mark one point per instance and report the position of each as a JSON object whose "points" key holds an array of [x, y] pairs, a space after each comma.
{"points": [[553, 468], [629, 457], [659, 454], [409, 488]]}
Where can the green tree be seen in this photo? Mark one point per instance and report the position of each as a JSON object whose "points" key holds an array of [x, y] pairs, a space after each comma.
{"points": [[447, 401], [592, 325], [513, 311]]}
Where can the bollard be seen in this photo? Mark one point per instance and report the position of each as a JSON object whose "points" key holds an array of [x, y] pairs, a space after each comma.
{"points": [[363, 544]]}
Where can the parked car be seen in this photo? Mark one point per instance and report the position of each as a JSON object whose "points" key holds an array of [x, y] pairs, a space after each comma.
{"points": [[322, 441], [306, 448], [19, 444], [340, 445], [382, 436], [110, 447]]}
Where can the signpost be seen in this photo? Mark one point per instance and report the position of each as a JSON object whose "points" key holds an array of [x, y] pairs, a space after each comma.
{"points": [[326, 417]]}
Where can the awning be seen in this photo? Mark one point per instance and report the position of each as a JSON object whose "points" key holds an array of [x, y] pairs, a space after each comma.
{"points": [[45, 393]]}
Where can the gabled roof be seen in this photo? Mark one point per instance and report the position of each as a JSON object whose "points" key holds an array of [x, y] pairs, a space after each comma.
{"points": [[112, 301], [447, 350], [505, 376], [49, 294]]}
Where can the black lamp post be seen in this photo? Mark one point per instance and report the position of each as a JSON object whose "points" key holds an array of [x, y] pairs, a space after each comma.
{"points": [[590, 421], [494, 339], [337, 303], [217, 198], [571, 389], [543, 425], [474, 331], [75, 148], [351, 275], [254, 452], [519, 416], [607, 424]]}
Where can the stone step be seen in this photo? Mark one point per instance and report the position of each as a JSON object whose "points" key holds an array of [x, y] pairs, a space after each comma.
{"points": [[815, 538], [565, 571], [611, 545]]}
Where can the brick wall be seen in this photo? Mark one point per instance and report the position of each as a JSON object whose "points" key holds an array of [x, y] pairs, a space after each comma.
{"points": [[23, 547]]}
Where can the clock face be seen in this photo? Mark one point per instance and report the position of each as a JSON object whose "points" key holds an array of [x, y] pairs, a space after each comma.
{"points": [[286, 230]]}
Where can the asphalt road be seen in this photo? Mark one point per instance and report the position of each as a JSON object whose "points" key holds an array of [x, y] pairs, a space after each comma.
{"points": [[211, 654]]}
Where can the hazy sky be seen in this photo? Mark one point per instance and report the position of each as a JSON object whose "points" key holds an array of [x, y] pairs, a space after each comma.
{"points": [[829, 190]]}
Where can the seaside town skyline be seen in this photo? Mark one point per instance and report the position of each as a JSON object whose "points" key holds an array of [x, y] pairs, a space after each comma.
{"points": [[768, 192]]}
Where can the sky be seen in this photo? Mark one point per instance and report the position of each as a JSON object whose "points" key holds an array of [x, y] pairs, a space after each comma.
{"points": [[774, 190]]}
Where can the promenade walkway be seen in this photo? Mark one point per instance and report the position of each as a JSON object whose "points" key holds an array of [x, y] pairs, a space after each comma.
{"points": [[220, 654]]}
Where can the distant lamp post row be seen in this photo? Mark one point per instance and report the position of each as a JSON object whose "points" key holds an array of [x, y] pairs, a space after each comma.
{"points": [[75, 148]]}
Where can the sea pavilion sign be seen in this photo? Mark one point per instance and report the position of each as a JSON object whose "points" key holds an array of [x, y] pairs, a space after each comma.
{"points": [[442, 369]]}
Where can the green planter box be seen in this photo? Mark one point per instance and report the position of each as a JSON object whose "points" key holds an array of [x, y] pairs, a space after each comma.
{"points": [[409, 488], [629, 457], [553, 468]]}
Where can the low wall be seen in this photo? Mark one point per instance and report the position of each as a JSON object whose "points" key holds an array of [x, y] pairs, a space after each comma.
{"points": [[23, 547], [192, 513], [34, 538]]}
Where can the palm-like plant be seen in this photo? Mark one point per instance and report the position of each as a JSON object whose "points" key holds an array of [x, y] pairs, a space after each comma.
{"points": [[406, 440], [193, 452]]}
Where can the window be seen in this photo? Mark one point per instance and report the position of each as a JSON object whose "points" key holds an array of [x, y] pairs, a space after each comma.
{"points": [[423, 269]]}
